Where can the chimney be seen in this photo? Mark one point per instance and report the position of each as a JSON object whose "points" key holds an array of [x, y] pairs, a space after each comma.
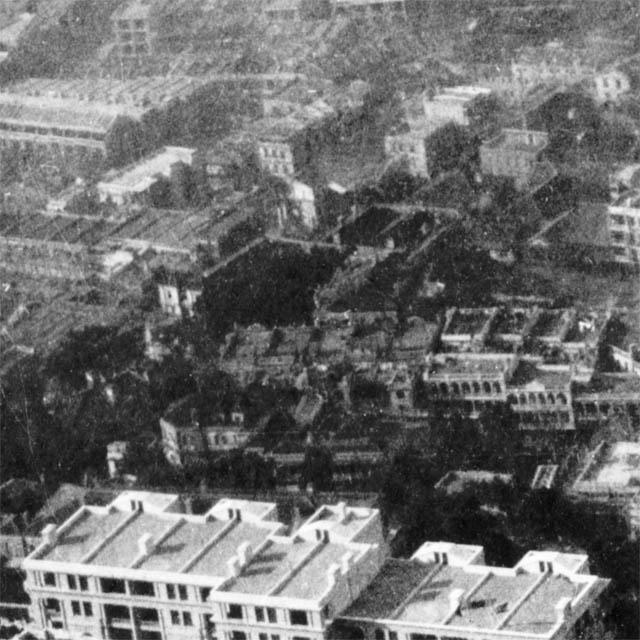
{"points": [[345, 562], [145, 544], [563, 609], [341, 511], [455, 600], [332, 574], [233, 567], [50, 535], [188, 504], [244, 553]]}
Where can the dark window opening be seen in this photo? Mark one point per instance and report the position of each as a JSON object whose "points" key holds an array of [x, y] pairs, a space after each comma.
{"points": [[298, 617], [171, 592], [271, 615], [175, 617], [204, 593], [88, 609], [75, 607], [84, 583], [186, 619], [141, 588], [234, 612], [182, 592], [50, 579], [111, 585], [259, 614], [72, 582]]}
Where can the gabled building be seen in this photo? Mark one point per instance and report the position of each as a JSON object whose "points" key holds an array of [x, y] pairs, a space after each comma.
{"points": [[189, 432]]}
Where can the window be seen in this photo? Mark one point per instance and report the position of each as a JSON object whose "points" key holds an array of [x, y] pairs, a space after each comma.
{"points": [[379, 634], [141, 588], [186, 619], [300, 638], [259, 614], [238, 635], [445, 558], [182, 591], [175, 617], [275, 636], [393, 635], [111, 585], [171, 592], [271, 615], [298, 617], [88, 609], [75, 607], [234, 612], [72, 582], [49, 579], [204, 593], [209, 624], [84, 583], [263, 636], [542, 566]]}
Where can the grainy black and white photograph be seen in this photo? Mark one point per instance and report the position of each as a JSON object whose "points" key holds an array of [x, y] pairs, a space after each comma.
{"points": [[319, 319]]}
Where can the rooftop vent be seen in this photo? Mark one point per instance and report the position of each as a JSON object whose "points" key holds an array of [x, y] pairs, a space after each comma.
{"points": [[244, 553], [145, 544], [456, 600], [233, 567], [332, 573]]}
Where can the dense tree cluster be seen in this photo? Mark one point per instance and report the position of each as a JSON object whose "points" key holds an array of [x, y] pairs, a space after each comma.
{"points": [[273, 284]]}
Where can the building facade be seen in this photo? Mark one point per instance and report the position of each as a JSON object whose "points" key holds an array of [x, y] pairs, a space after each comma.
{"points": [[140, 569], [134, 31], [513, 153], [623, 224]]}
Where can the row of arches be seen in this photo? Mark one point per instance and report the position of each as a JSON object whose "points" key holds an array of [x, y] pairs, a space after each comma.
{"points": [[538, 399], [466, 388]]}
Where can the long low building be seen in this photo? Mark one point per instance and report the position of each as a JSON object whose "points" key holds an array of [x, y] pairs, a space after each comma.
{"points": [[141, 569]]}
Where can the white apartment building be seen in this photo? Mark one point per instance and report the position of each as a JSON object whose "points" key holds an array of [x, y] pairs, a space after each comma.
{"points": [[446, 592], [140, 569], [624, 229]]}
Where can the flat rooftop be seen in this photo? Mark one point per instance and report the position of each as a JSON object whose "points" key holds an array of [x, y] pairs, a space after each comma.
{"points": [[143, 174], [389, 589], [454, 364], [537, 613], [431, 604], [487, 597]]}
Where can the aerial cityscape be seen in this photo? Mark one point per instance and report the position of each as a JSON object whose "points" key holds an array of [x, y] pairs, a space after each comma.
{"points": [[319, 320]]}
